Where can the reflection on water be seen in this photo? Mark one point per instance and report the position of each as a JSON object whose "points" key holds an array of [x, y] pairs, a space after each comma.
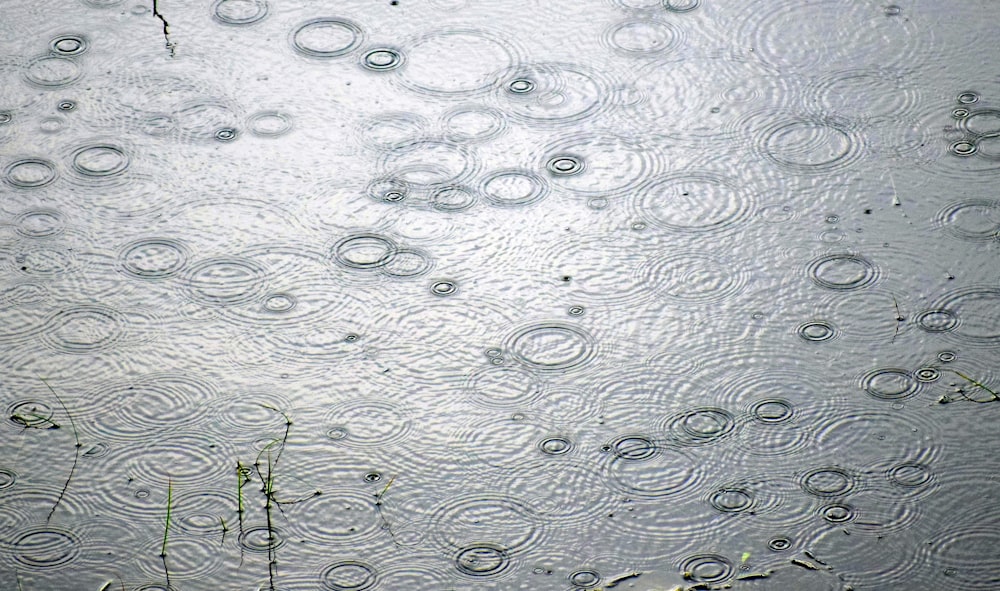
{"points": [[649, 294]]}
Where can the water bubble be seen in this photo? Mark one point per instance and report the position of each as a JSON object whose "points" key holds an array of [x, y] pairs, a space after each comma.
{"points": [[69, 44], [444, 288], [555, 446], [520, 86], [816, 331], [66, 105], [927, 374], [226, 134], [701, 426], [892, 10], [372, 477], [482, 560], [279, 302], [967, 98], [960, 113], [348, 575], [584, 578], [239, 12], [382, 59], [838, 513], [779, 544], [564, 165], [326, 38], [5, 117], [946, 356], [576, 310], [963, 148]]}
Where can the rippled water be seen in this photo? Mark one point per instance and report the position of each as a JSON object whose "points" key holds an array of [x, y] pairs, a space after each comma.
{"points": [[638, 294]]}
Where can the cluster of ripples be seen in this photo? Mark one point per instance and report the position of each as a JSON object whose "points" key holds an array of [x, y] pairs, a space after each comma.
{"points": [[657, 294]]}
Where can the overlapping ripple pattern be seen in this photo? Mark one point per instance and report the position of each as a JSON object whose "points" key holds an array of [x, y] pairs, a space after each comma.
{"points": [[375, 295]]}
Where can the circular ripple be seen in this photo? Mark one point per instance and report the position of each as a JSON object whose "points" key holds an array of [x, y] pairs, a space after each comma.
{"points": [[30, 173], [975, 219], [53, 71], [364, 251], [326, 38], [45, 548], [239, 12], [261, 539], [693, 277], [816, 331], [85, 329], [428, 164], [830, 481], [866, 94], [190, 458], [504, 387], [700, 426], [605, 164], [553, 93], [482, 560], [854, 36], [31, 414], [669, 473], [336, 517], [153, 258], [456, 61], [733, 499], [370, 423], [69, 44], [642, 37], [887, 433], [205, 513], [133, 409], [693, 202], [473, 123], [706, 568], [890, 384], [225, 281], [981, 123], [408, 262], [189, 558], [560, 489], [837, 513], [771, 410], [632, 447], [843, 271], [40, 223], [269, 123], [969, 314], [348, 575], [382, 59], [551, 346], [101, 160], [513, 188], [910, 475], [809, 145], [8, 478], [511, 524]]}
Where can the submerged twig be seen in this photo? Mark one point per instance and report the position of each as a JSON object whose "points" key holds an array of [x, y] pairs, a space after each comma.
{"points": [[166, 530], [166, 29], [76, 455], [899, 319]]}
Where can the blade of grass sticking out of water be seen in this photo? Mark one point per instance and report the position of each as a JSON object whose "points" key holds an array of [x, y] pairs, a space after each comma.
{"points": [[76, 452], [977, 384], [166, 530]]}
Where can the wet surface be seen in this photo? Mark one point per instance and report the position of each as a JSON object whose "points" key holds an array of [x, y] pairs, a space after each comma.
{"points": [[621, 294]]}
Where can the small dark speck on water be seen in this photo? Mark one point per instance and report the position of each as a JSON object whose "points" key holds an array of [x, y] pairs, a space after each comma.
{"points": [[868, 212]]}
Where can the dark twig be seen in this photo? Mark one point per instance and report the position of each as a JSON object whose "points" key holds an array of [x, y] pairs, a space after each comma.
{"points": [[166, 29], [76, 456]]}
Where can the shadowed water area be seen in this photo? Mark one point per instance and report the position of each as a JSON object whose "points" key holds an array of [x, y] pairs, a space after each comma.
{"points": [[453, 295]]}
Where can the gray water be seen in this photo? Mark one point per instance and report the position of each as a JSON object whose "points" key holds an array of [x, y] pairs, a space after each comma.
{"points": [[452, 295]]}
